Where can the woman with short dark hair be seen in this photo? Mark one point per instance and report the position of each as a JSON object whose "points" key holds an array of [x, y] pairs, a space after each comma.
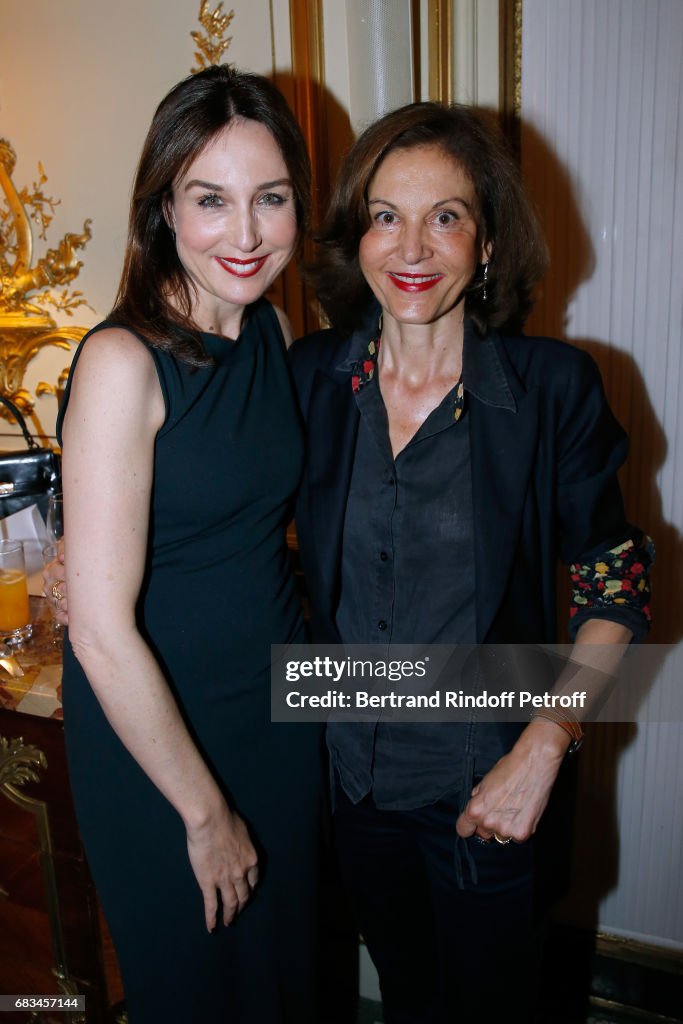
{"points": [[182, 453], [503, 212], [449, 462]]}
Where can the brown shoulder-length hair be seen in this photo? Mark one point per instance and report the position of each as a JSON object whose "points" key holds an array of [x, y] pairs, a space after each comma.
{"points": [[193, 113], [505, 217]]}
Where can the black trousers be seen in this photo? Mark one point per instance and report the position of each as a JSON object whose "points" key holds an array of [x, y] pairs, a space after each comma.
{"points": [[443, 953]]}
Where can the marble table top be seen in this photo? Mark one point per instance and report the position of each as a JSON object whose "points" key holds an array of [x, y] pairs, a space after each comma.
{"points": [[39, 690]]}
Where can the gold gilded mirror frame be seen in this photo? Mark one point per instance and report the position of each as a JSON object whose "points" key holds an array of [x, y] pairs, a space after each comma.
{"points": [[510, 63], [304, 91], [440, 42]]}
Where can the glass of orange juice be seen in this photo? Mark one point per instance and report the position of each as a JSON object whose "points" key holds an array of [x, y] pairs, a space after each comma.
{"points": [[15, 619]]}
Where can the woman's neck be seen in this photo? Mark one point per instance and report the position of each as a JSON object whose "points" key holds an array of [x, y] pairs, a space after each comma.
{"points": [[221, 318], [419, 353]]}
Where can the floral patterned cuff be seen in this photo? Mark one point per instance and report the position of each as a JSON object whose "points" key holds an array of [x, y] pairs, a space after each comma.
{"points": [[617, 579]]}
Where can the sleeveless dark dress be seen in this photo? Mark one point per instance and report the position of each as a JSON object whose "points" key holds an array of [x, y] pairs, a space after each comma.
{"points": [[218, 591]]}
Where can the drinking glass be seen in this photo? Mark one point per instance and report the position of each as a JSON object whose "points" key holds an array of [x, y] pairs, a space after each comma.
{"points": [[50, 552], [15, 618], [55, 518]]}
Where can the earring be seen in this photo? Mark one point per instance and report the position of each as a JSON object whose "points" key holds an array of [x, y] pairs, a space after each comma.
{"points": [[486, 277]]}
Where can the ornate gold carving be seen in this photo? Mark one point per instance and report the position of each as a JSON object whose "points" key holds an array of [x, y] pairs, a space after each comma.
{"points": [[28, 287], [440, 35], [19, 764], [210, 43], [56, 390]]}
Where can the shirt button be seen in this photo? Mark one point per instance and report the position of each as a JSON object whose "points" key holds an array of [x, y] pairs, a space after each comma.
{"points": [[382, 625], [391, 480], [383, 556]]}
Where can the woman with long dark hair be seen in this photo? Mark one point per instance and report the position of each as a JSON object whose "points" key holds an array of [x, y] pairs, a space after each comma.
{"points": [[182, 453]]}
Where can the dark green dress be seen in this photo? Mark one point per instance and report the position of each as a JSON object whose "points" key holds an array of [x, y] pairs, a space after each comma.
{"points": [[217, 593]]}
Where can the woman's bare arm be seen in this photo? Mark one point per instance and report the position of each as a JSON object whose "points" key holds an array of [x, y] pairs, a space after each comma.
{"points": [[115, 410]]}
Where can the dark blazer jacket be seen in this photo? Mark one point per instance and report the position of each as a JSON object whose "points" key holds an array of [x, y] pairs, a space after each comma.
{"points": [[543, 478]]}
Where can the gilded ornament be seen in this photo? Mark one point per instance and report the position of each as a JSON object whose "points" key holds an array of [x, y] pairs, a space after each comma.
{"points": [[19, 763], [27, 287], [210, 43]]}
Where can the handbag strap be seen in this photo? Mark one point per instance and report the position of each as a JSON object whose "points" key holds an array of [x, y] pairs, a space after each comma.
{"points": [[20, 420]]}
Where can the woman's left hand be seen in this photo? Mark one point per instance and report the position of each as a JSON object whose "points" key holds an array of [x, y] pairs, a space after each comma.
{"points": [[511, 798]]}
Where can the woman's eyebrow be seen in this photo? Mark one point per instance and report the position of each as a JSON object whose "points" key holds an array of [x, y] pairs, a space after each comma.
{"points": [[275, 184], [453, 199], [441, 202], [198, 183]]}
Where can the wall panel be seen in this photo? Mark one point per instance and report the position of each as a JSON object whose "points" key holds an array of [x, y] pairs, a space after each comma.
{"points": [[602, 148]]}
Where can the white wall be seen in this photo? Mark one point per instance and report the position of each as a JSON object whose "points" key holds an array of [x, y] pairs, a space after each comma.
{"points": [[602, 88]]}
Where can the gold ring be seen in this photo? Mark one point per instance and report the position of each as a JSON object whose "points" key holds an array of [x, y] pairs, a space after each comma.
{"points": [[503, 840], [56, 592]]}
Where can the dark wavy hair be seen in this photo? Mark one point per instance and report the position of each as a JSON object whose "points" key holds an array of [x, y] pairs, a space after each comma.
{"points": [[504, 215], [193, 113]]}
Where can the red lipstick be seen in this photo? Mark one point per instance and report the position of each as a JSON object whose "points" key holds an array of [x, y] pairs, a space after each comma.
{"points": [[415, 282], [241, 268]]}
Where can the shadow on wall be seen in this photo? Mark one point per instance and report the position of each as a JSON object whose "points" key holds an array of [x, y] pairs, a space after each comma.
{"points": [[596, 847], [328, 133], [572, 262]]}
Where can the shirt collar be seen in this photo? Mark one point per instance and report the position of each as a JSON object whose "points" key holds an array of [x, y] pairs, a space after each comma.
{"points": [[364, 335], [483, 374]]}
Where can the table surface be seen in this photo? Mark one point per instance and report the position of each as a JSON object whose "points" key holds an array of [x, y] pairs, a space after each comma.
{"points": [[39, 691]]}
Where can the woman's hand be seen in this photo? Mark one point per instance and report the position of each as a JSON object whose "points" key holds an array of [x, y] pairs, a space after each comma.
{"points": [[510, 800], [54, 586], [223, 860]]}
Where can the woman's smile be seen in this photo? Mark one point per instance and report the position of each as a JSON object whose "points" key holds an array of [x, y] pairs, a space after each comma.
{"points": [[414, 282], [241, 268]]}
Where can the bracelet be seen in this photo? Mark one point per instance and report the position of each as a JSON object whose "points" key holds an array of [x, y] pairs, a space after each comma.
{"points": [[566, 722]]}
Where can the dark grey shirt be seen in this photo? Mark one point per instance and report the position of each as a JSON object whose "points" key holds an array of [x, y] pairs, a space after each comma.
{"points": [[408, 573]]}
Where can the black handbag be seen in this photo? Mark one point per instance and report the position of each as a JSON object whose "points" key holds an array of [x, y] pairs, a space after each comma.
{"points": [[27, 478]]}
